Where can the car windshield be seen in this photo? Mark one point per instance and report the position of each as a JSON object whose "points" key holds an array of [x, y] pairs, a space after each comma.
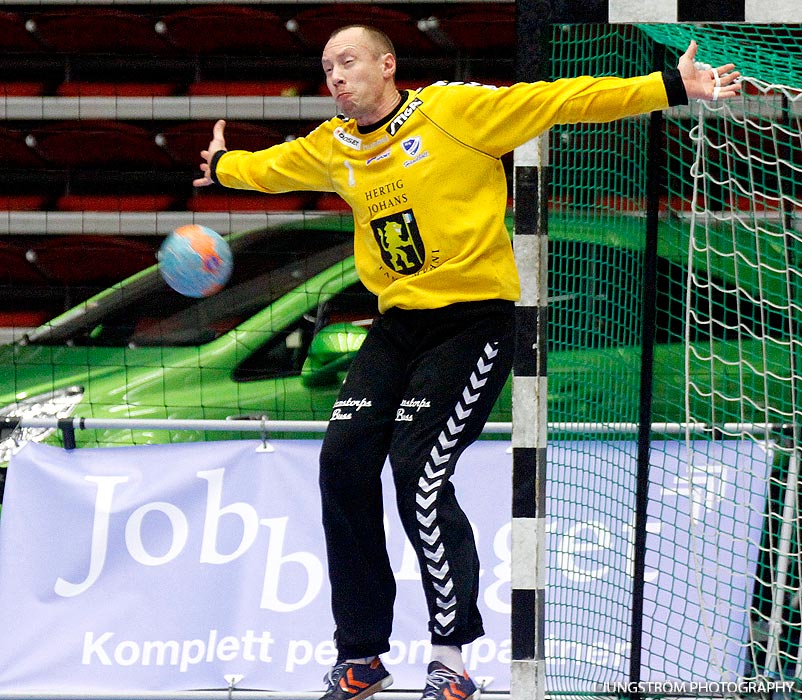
{"points": [[146, 312]]}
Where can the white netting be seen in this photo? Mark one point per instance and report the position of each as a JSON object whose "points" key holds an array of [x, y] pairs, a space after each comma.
{"points": [[743, 349]]}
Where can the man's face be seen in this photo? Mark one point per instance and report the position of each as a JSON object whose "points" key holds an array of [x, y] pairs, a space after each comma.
{"points": [[356, 73]]}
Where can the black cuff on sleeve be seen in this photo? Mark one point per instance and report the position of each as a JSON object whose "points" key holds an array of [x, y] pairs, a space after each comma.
{"points": [[675, 88], [213, 164]]}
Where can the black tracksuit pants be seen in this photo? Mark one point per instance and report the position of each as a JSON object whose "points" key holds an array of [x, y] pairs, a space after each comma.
{"points": [[419, 391]]}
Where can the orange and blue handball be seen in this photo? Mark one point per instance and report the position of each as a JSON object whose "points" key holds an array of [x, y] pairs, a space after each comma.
{"points": [[195, 261]]}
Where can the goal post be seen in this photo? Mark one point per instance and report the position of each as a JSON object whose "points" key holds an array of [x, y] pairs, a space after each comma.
{"points": [[531, 175]]}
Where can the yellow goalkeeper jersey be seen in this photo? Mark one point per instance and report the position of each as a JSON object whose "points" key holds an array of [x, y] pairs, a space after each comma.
{"points": [[427, 186]]}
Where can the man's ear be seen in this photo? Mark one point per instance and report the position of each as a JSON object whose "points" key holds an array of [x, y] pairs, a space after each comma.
{"points": [[388, 65]]}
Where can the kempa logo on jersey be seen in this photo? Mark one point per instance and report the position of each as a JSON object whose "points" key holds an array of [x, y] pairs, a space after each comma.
{"points": [[398, 122], [347, 139]]}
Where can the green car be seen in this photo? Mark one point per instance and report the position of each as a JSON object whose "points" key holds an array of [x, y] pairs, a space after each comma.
{"points": [[276, 341], [140, 350]]}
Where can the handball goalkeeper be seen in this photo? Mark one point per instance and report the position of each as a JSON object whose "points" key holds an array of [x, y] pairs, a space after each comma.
{"points": [[422, 172]]}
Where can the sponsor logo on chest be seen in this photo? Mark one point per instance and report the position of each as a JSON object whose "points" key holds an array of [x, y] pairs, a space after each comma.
{"points": [[402, 116], [347, 139]]}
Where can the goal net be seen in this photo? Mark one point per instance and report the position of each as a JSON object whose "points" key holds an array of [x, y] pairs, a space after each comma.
{"points": [[743, 309], [721, 594]]}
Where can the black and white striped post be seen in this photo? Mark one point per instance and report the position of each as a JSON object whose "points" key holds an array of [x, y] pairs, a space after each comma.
{"points": [[529, 435], [529, 396], [632, 11]]}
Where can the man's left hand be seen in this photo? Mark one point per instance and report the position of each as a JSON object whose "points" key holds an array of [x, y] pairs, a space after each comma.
{"points": [[707, 83]]}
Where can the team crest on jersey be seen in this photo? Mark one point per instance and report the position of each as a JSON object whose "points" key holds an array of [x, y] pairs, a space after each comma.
{"points": [[411, 146], [400, 242]]}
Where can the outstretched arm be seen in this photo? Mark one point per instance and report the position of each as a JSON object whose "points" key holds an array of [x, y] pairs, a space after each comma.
{"points": [[218, 143], [707, 83]]}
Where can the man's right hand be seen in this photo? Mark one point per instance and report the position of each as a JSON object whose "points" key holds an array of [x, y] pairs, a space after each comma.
{"points": [[218, 143]]}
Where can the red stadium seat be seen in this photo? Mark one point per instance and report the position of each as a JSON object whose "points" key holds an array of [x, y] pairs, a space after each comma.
{"points": [[22, 88], [97, 143], [331, 202], [96, 29], [315, 25], [15, 267], [206, 200], [15, 152], [304, 128], [78, 258], [80, 88], [184, 142], [479, 28], [22, 319], [14, 37], [227, 29], [275, 88], [115, 202], [403, 84], [23, 202]]}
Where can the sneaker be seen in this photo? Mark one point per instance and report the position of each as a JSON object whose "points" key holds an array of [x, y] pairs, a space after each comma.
{"points": [[444, 684], [350, 681]]}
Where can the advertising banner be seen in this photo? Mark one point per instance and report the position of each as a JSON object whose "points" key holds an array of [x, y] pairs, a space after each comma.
{"points": [[188, 566]]}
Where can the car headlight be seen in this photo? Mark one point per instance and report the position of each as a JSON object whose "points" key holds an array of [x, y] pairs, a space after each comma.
{"points": [[53, 404]]}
